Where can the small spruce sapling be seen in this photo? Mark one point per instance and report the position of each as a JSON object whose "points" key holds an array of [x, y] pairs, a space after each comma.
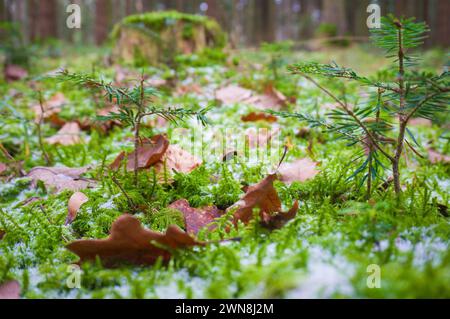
{"points": [[409, 93], [135, 104]]}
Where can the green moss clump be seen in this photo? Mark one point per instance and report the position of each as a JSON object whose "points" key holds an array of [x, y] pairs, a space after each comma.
{"points": [[157, 21]]}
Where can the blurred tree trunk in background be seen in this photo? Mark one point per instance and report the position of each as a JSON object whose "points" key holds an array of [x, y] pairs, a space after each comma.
{"points": [[102, 19], [334, 13], [442, 23], [47, 20]]}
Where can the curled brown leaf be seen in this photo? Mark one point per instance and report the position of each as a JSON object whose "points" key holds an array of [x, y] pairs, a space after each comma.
{"points": [[76, 200]]}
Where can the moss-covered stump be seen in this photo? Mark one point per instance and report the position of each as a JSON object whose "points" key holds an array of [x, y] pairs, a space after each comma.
{"points": [[156, 37]]}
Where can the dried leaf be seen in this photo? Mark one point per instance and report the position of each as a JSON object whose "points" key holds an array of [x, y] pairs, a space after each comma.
{"points": [[69, 134], [179, 160], [130, 242], [3, 168], [61, 178], [436, 157], [189, 88], [14, 72], [10, 290], [260, 137], [298, 171], [196, 218], [259, 116], [265, 197], [420, 122], [232, 94], [2, 234], [75, 202], [115, 165], [271, 99], [51, 108], [149, 152]]}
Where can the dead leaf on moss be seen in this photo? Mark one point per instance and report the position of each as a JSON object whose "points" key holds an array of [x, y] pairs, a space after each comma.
{"points": [[436, 157], [115, 165], [260, 137], [10, 290], [263, 196], [420, 122], [232, 94], [259, 116], [61, 178], [129, 242], [271, 99], [3, 168], [196, 218], [14, 72], [2, 234], [75, 202], [69, 134], [298, 171], [177, 159], [149, 152], [189, 88], [51, 108]]}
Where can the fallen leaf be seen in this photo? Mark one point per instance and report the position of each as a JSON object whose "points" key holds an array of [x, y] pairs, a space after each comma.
{"points": [[149, 152], [156, 82], [2, 234], [260, 137], [436, 157], [189, 88], [420, 122], [265, 197], [115, 165], [14, 72], [196, 218], [10, 290], [51, 108], [69, 134], [75, 202], [177, 159], [3, 168], [61, 178], [232, 94], [259, 116], [130, 242], [271, 99], [298, 171]]}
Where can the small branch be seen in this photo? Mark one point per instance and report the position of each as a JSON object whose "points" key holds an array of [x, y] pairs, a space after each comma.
{"points": [[38, 125], [130, 201], [350, 112]]}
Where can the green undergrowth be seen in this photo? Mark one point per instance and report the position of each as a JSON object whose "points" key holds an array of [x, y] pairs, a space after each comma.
{"points": [[323, 252]]}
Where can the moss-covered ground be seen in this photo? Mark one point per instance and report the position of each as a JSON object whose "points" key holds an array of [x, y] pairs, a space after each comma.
{"points": [[324, 252]]}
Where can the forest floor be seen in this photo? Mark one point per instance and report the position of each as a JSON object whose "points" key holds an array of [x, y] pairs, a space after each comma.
{"points": [[325, 251]]}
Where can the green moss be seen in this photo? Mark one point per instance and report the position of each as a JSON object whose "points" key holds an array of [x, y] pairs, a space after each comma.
{"points": [[157, 21]]}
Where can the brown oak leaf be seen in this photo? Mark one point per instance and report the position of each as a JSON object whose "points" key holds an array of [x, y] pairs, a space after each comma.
{"points": [[69, 134], [14, 72], [436, 157], [51, 109], [196, 218], [75, 202], [260, 137], [129, 242], [10, 290], [149, 152], [232, 94], [61, 178], [264, 196], [3, 168], [271, 99], [177, 159], [298, 171]]}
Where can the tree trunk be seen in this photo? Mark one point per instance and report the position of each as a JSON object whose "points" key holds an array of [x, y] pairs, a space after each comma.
{"points": [[442, 30], [47, 18], [334, 13], [102, 14]]}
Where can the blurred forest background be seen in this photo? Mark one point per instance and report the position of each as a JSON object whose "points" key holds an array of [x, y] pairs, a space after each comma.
{"points": [[248, 22]]}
